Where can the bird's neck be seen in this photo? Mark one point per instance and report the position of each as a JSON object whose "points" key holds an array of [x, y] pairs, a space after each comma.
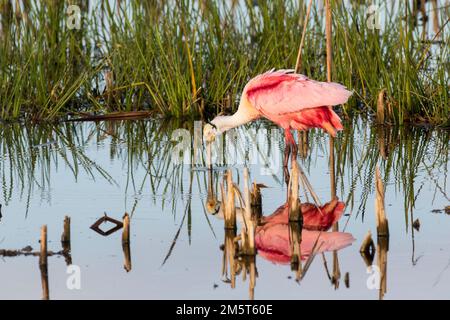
{"points": [[241, 117]]}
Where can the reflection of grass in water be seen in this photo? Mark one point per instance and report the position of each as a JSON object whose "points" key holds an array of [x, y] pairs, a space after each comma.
{"points": [[30, 153], [176, 57], [405, 154], [414, 157]]}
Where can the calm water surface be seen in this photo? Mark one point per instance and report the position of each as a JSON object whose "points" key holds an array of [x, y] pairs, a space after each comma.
{"points": [[85, 169]]}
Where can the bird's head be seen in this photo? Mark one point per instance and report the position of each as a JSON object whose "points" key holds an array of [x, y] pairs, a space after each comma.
{"points": [[210, 131]]}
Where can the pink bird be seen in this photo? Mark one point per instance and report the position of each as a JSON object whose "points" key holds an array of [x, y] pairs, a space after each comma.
{"points": [[273, 242], [290, 100], [314, 218]]}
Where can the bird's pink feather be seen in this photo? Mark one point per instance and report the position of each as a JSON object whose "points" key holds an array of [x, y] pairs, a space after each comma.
{"points": [[277, 93]]}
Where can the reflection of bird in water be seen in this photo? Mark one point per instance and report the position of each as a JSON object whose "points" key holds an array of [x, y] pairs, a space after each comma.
{"points": [[292, 101], [1, 212], [272, 237]]}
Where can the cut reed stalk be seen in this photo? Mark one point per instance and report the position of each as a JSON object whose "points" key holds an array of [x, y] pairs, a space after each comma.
{"points": [[295, 214], [256, 201], [303, 144], [367, 246], [43, 264], [248, 230], [126, 229], [382, 249], [66, 241], [229, 203], [347, 280], [329, 44], [295, 240], [65, 237], [380, 213], [43, 241], [381, 107], [230, 254], [253, 273], [127, 256]]}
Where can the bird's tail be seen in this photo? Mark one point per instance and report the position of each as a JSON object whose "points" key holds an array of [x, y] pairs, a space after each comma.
{"points": [[333, 123], [322, 117]]}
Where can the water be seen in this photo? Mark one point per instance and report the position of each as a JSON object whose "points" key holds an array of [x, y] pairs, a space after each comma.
{"points": [[85, 169]]}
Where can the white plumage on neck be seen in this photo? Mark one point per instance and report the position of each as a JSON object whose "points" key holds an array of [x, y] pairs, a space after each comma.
{"points": [[245, 114]]}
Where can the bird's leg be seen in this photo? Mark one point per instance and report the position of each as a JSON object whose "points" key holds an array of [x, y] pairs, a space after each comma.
{"points": [[293, 145], [287, 153], [294, 148], [287, 176]]}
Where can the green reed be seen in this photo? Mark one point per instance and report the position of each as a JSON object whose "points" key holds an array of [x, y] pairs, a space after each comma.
{"points": [[192, 58]]}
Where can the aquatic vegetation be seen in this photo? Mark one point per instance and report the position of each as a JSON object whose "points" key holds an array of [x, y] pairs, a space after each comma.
{"points": [[192, 58]]}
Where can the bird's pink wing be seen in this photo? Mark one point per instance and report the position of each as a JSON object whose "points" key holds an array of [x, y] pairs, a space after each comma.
{"points": [[281, 92]]}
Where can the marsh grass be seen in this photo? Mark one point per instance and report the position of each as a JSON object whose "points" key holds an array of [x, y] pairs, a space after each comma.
{"points": [[192, 58]]}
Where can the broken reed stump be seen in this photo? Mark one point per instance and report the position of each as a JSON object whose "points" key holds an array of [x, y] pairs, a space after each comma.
{"points": [[382, 222], [382, 250], [109, 85], [65, 241], [127, 255], [295, 240], [230, 256], [253, 274], [416, 224], [256, 201], [248, 267], [248, 229], [43, 240], [65, 238], [295, 214], [381, 107], [126, 229], [381, 138], [303, 144], [43, 264], [367, 249], [126, 242], [229, 202]]}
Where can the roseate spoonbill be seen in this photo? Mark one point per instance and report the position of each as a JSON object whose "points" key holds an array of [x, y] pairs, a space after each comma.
{"points": [[273, 241], [314, 218], [290, 100], [272, 238]]}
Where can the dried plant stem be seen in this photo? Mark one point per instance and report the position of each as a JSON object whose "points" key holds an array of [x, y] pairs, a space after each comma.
{"points": [[382, 222], [295, 214], [381, 107], [65, 238], [367, 244], [126, 229], [229, 203], [298, 65], [43, 264], [382, 249], [256, 201], [43, 241], [248, 230]]}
